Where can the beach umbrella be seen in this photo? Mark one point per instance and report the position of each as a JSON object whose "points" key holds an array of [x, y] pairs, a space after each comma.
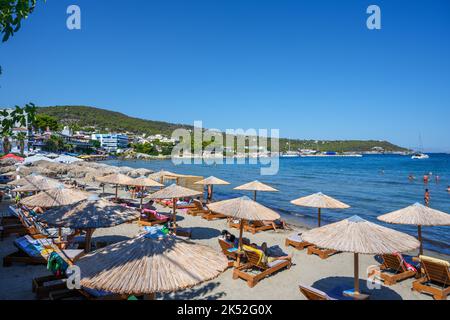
{"points": [[60, 196], [319, 201], [160, 175], [174, 192], [210, 182], [7, 169], [139, 172], [359, 236], [35, 183], [8, 162], [89, 214], [145, 266], [145, 182], [418, 215], [243, 208], [256, 186], [117, 179], [32, 159]]}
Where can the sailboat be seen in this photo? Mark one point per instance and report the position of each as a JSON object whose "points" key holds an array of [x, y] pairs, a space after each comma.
{"points": [[420, 155], [289, 153]]}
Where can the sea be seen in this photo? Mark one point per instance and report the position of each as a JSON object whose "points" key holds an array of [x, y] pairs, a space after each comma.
{"points": [[372, 185]]}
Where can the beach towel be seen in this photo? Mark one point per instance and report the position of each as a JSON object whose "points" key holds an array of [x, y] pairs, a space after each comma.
{"points": [[259, 252], [407, 265]]}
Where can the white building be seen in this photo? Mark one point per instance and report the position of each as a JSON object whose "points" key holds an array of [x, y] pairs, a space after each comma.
{"points": [[111, 142]]}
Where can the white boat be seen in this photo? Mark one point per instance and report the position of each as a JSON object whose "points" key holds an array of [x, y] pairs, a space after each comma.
{"points": [[289, 153], [420, 156]]}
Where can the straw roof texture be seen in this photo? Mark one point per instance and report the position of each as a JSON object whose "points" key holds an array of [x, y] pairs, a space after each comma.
{"points": [[173, 191], [320, 200], [117, 178], [60, 196], [161, 174], [145, 266], [92, 213], [212, 181], [243, 208], [360, 236], [37, 181], [417, 214], [8, 162], [256, 186], [146, 182], [140, 172], [7, 169]]}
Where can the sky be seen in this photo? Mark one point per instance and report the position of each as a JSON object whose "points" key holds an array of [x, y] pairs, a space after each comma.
{"points": [[309, 68]]}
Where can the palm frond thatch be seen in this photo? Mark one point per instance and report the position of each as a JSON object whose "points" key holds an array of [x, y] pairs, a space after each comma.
{"points": [[54, 198], [144, 266], [360, 236], [417, 214], [117, 179], [320, 200], [244, 208], [146, 182], [174, 191]]}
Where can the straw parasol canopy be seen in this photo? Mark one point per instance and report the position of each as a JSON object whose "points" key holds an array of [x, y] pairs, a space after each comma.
{"points": [[117, 179], [159, 176], [139, 172], [36, 183], [146, 182], [174, 192], [419, 215], [145, 266], [320, 201], [56, 197], [256, 186], [210, 182], [89, 215], [243, 208], [360, 236]]}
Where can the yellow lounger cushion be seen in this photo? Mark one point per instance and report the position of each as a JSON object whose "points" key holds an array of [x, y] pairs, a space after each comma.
{"points": [[434, 260]]}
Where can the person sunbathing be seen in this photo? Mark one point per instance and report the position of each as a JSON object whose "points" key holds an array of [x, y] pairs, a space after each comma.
{"points": [[264, 254]]}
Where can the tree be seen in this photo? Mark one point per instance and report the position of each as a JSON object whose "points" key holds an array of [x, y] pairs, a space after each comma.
{"points": [[21, 136], [44, 121], [12, 12]]}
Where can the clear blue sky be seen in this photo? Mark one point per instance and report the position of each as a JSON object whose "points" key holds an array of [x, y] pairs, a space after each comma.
{"points": [[310, 68]]}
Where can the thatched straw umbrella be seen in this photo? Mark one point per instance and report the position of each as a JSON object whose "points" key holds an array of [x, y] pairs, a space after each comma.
{"points": [[256, 186], [35, 183], [8, 162], [320, 201], [145, 266], [243, 208], [417, 215], [117, 179], [60, 196], [159, 176], [90, 214], [210, 182], [7, 169], [357, 235], [174, 192], [144, 183]]}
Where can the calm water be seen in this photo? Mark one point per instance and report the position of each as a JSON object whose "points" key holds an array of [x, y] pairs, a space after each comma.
{"points": [[371, 185]]}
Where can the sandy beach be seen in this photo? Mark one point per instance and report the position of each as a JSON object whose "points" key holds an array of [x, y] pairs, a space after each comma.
{"points": [[333, 274]]}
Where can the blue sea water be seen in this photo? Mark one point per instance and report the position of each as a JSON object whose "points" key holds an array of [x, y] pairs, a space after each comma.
{"points": [[371, 185]]}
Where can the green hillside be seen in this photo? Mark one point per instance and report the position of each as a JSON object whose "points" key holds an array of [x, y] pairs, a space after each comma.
{"points": [[101, 119]]}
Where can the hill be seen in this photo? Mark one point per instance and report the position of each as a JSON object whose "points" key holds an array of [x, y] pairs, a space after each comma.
{"points": [[101, 119]]}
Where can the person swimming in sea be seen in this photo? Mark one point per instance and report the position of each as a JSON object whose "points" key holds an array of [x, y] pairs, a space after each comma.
{"points": [[425, 178], [427, 197], [448, 189], [411, 177]]}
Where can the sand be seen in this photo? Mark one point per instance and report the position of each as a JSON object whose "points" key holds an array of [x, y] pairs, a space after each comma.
{"points": [[333, 274]]}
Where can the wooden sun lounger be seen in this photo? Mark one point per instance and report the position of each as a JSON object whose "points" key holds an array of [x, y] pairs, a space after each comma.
{"points": [[296, 242], [231, 255], [254, 263], [314, 294], [436, 280], [213, 216], [257, 226], [198, 209], [321, 252], [235, 224], [393, 270], [151, 220]]}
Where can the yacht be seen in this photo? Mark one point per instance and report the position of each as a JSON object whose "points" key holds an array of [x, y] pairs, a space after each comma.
{"points": [[419, 155]]}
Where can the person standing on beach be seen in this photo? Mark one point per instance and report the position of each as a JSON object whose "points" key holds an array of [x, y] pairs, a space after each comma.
{"points": [[427, 197]]}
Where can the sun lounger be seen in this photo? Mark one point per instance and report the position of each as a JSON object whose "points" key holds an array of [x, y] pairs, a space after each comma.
{"points": [[321, 252], [198, 209], [210, 215], [229, 251], [233, 223], [254, 262], [295, 240], [393, 269], [314, 294], [436, 280], [258, 226], [151, 218]]}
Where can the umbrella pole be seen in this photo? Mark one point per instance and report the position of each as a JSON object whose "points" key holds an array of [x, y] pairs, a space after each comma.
{"points": [[174, 214], [150, 296], [89, 233], [254, 195], [211, 199], [241, 230], [356, 267], [117, 190], [319, 216], [419, 235]]}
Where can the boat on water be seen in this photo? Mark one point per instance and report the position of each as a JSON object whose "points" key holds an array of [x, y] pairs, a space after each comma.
{"points": [[289, 153], [419, 156]]}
